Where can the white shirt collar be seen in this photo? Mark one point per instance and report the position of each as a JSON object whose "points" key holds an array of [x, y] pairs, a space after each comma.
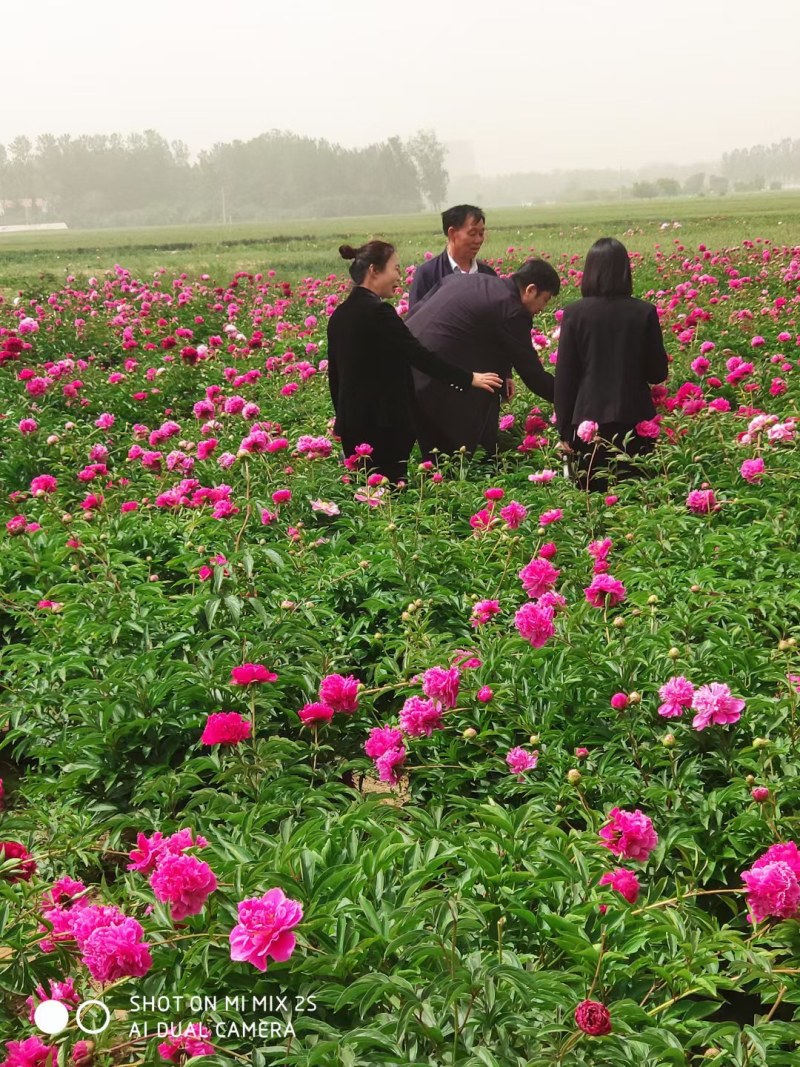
{"points": [[473, 267]]}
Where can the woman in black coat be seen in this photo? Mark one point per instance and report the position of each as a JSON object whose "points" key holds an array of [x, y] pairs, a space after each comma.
{"points": [[370, 355], [610, 352]]}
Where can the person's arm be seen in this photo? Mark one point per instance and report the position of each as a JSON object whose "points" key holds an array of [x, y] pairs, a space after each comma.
{"points": [[516, 340], [657, 363], [398, 342], [333, 375], [567, 378]]}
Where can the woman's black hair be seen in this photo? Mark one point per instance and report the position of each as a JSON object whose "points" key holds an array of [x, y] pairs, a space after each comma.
{"points": [[607, 270], [372, 254]]}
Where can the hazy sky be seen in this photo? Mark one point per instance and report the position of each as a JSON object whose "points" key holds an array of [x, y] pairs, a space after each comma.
{"points": [[532, 85]]}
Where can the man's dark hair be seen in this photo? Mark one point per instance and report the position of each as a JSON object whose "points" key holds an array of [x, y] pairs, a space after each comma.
{"points": [[460, 214], [540, 273], [607, 270]]}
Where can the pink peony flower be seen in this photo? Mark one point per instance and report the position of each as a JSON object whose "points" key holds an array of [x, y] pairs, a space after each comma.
{"points": [[42, 484], [386, 764], [605, 591], [149, 850], [226, 728], [24, 868], [624, 881], [513, 514], [676, 694], [315, 715], [64, 992], [381, 739], [419, 718], [264, 929], [192, 1041], [250, 673], [183, 881], [587, 431], [619, 701], [773, 890], [484, 611], [519, 761], [752, 470], [538, 577], [760, 794], [442, 684], [31, 1052], [484, 694], [116, 951], [535, 624], [629, 834], [550, 516], [702, 501], [648, 428], [715, 706], [340, 693], [593, 1018]]}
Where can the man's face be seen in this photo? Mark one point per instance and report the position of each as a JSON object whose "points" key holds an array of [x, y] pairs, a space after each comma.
{"points": [[535, 299], [467, 240]]}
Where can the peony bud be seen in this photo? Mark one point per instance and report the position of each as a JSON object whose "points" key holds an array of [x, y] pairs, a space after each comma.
{"points": [[674, 653], [574, 776], [635, 698], [534, 739], [668, 740], [619, 622], [469, 733], [760, 742], [760, 794]]}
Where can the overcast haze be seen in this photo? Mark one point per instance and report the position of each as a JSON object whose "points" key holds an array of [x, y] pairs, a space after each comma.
{"points": [[575, 83]]}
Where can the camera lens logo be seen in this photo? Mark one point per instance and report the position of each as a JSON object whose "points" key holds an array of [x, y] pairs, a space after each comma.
{"points": [[52, 1016]]}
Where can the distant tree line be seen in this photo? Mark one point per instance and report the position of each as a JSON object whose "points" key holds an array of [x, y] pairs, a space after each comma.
{"points": [[142, 179]]}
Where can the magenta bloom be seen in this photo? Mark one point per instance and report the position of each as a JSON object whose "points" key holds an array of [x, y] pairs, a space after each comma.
{"points": [[249, 673], [117, 951], [513, 514], [773, 890], [315, 715], [624, 881], [538, 577], [381, 739], [787, 852], [629, 834], [715, 706], [752, 470], [535, 624], [385, 764], [264, 929], [226, 728], [43, 483], [484, 694], [702, 501], [619, 701], [760, 794], [22, 871], [605, 591], [587, 431], [519, 761], [442, 684], [550, 516], [419, 718], [192, 1041], [593, 1018], [32, 1052], [185, 882], [340, 693], [484, 611], [676, 694]]}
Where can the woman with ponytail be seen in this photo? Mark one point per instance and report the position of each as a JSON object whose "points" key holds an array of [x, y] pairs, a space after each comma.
{"points": [[370, 355]]}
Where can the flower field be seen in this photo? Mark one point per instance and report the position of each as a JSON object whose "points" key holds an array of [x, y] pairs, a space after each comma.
{"points": [[484, 771]]}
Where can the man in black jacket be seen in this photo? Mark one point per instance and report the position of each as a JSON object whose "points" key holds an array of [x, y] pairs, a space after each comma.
{"points": [[465, 229], [478, 321]]}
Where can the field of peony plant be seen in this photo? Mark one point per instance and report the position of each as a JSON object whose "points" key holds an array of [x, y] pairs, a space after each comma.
{"points": [[485, 771]]}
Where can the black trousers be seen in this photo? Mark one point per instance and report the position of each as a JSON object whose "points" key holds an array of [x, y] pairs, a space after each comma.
{"points": [[606, 459], [389, 456]]}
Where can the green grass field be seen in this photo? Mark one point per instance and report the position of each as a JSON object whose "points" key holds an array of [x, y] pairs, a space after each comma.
{"points": [[37, 261]]}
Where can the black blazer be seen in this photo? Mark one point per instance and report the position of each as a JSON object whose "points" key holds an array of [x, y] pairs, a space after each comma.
{"points": [[370, 355], [610, 351], [478, 323], [428, 275]]}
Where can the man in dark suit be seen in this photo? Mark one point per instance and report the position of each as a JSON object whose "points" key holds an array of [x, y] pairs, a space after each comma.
{"points": [[478, 321], [465, 229]]}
